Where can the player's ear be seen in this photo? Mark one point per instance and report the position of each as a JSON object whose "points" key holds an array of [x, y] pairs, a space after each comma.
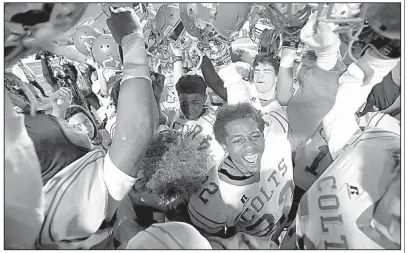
{"points": [[224, 146], [205, 97]]}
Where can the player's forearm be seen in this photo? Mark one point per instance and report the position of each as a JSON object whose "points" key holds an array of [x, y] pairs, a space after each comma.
{"points": [[285, 77], [212, 79], [315, 98], [137, 113]]}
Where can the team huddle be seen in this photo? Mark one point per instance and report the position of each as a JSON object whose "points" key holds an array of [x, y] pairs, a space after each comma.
{"points": [[161, 132]]}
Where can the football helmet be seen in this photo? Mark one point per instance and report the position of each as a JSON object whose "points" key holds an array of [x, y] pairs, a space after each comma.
{"points": [[288, 17], [167, 27], [214, 21], [259, 21], [84, 38], [167, 22], [105, 51], [31, 26], [385, 19], [363, 23]]}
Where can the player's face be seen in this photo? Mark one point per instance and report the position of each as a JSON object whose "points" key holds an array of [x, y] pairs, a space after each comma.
{"points": [[192, 105], [75, 135], [305, 66], [245, 144], [264, 77], [80, 121]]}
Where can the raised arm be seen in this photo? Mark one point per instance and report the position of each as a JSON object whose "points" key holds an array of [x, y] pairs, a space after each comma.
{"points": [[284, 85], [317, 94], [212, 79], [137, 114]]}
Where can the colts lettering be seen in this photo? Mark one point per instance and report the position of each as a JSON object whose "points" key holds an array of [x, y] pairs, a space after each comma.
{"points": [[329, 203], [257, 203]]}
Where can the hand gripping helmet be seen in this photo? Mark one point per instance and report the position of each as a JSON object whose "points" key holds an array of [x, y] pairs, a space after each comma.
{"points": [[214, 21], [259, 24], [105, 51], [84, 38], [358, 20], [167, 22], [30, 26], [139, 8]]}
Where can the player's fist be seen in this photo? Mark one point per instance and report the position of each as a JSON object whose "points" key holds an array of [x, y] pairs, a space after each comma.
{"points": [[320, 37], [61, 99], [123, 21]]}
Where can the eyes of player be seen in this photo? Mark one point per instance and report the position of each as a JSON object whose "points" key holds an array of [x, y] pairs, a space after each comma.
{"points": [[253, 136], [236, 141]]}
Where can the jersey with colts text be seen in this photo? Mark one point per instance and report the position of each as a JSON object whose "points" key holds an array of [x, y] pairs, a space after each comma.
{"points": [[340, 209], [257, 205]]}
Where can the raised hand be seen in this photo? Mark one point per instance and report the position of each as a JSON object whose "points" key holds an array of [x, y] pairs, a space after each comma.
{"points": [[320, 37], [61, 99], [123, 21]]}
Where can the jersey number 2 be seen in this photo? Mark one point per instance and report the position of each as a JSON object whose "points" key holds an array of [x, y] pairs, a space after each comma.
{"points": [[209, 191]]}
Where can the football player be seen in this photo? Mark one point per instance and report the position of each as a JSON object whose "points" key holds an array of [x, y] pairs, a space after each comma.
{"points": [[24, 209], [355, 203], [104, 178], [365, 173], [252, 189], [194, 120]]}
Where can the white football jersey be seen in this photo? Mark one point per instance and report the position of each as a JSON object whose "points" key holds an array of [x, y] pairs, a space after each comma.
{"points": [[77, 203], [201, 132], [337, 211], [258, 205]]}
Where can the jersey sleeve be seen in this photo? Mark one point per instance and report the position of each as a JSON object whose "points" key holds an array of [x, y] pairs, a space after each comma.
{"points": [[380, 120], [313, 100], [354, 87], [77, 200], [208, 210]]}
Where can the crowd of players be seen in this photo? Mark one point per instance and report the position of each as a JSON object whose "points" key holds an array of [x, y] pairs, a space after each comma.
{"points": [[246, 151]]}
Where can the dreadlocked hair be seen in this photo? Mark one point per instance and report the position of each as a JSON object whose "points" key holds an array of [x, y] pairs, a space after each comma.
{"points": [[173, 168]]}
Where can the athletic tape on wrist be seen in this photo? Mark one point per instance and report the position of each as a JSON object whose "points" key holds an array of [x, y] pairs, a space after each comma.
{"points": [[287, 58], [327, 57], [135, 60]]}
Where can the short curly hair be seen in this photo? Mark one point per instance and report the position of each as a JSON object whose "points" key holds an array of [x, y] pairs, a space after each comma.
{"points": [[230, 113], [191, 84]]}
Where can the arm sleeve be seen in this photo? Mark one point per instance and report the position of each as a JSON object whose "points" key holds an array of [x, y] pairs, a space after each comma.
{"points": [[354, 87], [212, 78], [312, 102]]}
